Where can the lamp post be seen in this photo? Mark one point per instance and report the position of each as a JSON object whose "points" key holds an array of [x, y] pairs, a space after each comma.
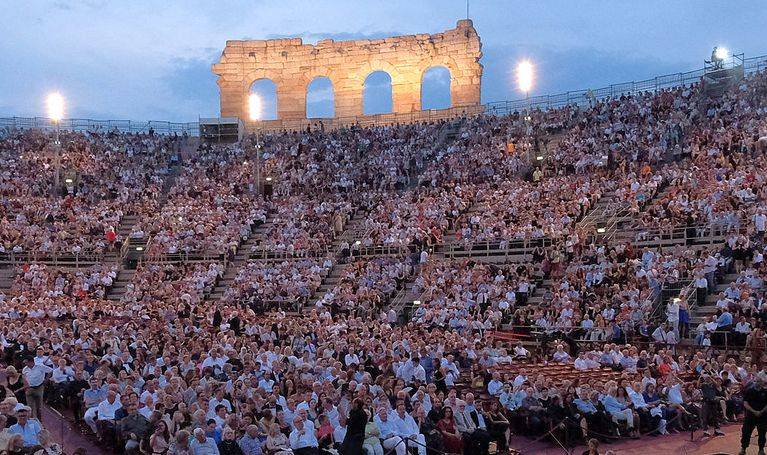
{"points": [[254, 111], [55, 104], [525, 75]]}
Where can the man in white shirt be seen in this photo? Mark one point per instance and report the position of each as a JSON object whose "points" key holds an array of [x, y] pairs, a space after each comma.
{"points": [[560, 356], [215, 362], [407, 429], [34, 379], [583, 363], [149, 392], [760, 223], [672, 314], [520, 351], [389, 433], [217, 400], [106, 412], [742, 329], [62, 376], [495, 386], [351, 359]]}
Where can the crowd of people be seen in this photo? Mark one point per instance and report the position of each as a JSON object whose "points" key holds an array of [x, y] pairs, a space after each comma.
{"points": [[167, 369], [258, 284], [102, 177]]}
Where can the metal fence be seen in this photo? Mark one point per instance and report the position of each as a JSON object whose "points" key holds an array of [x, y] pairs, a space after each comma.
{"points": [[543, 102], [84, 125], [583, 97]]}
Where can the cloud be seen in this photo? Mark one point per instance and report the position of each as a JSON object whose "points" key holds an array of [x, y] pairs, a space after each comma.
{"points": [[437, 75], [191, 87]]}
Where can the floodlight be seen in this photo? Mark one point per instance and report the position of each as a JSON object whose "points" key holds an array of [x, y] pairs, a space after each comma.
{"points": [[254, 107], [55, 106], [525, 75]]}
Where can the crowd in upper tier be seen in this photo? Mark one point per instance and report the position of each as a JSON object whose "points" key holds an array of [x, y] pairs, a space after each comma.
{"points": [[255, 323]]}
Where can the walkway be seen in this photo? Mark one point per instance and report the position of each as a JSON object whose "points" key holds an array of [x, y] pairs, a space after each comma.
{"points": [[679, 444], [68, 435]]}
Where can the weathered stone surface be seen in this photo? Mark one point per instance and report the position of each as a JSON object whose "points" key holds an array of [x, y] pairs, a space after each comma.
{"points": [[292, 65]]}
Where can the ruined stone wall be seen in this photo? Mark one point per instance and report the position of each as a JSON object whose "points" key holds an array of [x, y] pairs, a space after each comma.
{"points": [[292, 65]]}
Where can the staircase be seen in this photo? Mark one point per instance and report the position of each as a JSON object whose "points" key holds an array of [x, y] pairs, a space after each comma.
{"points": [[138, 245], [225, 281], [240, 260], [605, 217], [119, 286], [703, 313], [329, 282]]}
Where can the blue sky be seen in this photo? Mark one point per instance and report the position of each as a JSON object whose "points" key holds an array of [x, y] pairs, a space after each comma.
{"points": [[147, 60]]}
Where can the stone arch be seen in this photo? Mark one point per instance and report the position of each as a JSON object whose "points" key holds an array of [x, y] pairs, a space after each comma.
{"points": [[464, 78], [320, 98], [378, 93], [435, 88], [266, 89], [288, 62]]}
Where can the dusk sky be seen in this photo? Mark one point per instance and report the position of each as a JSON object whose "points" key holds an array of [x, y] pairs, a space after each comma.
{"points": [[145, 60]]}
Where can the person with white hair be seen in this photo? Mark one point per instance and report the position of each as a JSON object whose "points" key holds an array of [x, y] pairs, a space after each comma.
{"points": [[203, 445], [303, 440], [389, 432]]}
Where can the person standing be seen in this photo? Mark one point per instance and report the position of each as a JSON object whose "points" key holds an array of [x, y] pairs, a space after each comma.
{"points": [[34, 381], [355, 428], [755, 405]]}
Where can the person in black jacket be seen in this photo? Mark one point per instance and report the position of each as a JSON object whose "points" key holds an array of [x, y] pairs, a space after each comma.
{"points": [[355, 428]]}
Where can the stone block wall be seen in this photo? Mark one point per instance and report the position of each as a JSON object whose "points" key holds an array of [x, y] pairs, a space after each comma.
{"points": [[292, 65]]}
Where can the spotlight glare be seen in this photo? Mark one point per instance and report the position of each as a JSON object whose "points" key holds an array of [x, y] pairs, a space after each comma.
{"points": [[254, 107], [525, 75], [55, 104], [722, 53]]}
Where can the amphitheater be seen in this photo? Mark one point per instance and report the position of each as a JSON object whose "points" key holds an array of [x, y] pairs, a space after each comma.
{"points": [[561, 272]]}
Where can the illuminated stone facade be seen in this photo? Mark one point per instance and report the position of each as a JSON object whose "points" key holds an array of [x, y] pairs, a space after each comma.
{"points": [[292, 65]]}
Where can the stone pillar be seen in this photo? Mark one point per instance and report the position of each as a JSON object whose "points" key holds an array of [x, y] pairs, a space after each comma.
{"points": [[234, 99], [463, 93], [291, 99], [348, 98], [406, 96]]}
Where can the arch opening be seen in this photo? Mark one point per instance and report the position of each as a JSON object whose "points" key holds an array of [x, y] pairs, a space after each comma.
{"points": [[377, 93], [266, 90], [435, 88], [320, 98]]}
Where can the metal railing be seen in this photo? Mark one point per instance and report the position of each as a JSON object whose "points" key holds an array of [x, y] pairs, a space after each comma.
{"points": [[266, 253], [90, 125], [182, 257], [543, 102], [424, 116], [586, 96], [57, 258]]}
